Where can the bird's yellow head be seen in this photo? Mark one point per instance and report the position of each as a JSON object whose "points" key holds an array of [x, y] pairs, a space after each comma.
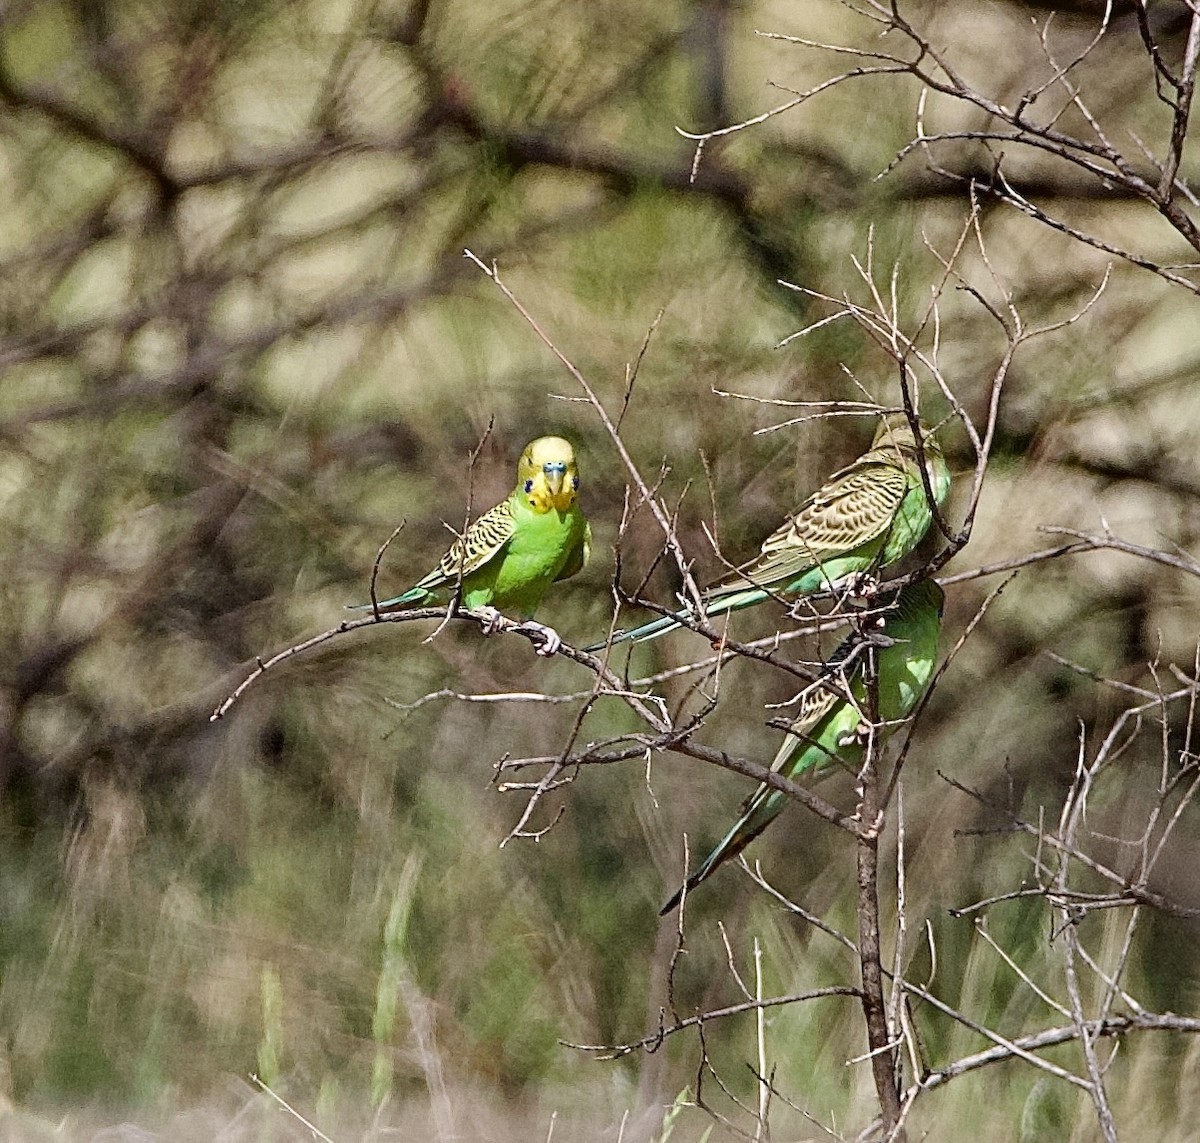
{"points": [[548, 475], [895, 432]]}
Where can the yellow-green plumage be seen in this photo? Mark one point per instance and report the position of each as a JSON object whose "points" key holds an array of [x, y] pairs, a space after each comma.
{"points": [[509, 556], [827, 731], [866, 517]]}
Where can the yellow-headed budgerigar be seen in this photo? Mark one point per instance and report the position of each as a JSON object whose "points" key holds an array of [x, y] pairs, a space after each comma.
{"points": [[830, 728], [866, 517], [509, 556]]}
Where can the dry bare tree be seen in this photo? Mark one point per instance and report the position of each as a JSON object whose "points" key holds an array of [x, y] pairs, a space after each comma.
{"points": [[241, 340]]}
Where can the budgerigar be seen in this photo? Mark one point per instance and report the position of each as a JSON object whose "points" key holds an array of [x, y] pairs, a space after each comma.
{"points": [[831, 729], [510, 555], [866, 517]]}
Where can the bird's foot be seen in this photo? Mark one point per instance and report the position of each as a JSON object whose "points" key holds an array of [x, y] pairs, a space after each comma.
{"points": [[871, 830], [859, 736], [493, 621], [879, 638], [552, 639], [862, 585]]}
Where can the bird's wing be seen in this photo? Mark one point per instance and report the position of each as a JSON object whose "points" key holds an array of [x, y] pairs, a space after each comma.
{"points": [[818, 701], [855, 506], [483, 540], [815, 705]]}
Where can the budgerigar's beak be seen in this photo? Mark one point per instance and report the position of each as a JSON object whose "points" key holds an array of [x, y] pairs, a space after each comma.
{"points": [[556, 473]]}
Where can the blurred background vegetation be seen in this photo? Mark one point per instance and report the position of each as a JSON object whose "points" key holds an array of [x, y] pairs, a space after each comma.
{"points": [[240, 343]]}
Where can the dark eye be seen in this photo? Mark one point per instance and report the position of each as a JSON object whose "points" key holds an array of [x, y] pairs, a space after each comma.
{"points": [[529, 486], [575, 482]]}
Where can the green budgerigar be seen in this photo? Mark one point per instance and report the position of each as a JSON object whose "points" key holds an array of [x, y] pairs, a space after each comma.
{"points": [[867, 516], [509, 556], [830, 729]]}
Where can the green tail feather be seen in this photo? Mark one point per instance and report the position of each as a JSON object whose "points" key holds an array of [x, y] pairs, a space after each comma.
{"points": [[744, 831], [665, 623], [640, 634], [411, 598]]}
